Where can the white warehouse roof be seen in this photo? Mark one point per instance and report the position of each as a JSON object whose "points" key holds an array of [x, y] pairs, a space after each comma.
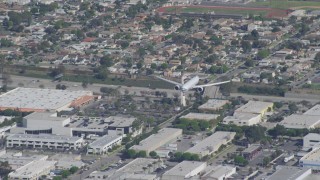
{"points": [[39, 99], [300, 121]]}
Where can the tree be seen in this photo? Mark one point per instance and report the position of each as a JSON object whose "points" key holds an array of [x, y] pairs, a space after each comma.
{"points": [[106, 61], [153, 66], [216, 40], [211, 59], [153, 154], [246, 46], [317, 58], [263, 54], [278, 130], [164, 66], [141, 154], [240, 160], [255, 34], [249, 63], [276, 29], [265, 161], [293, 107], [73, 169], [65, 173], [129, 154]]}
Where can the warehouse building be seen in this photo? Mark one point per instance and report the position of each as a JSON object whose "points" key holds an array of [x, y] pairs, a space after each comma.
{"points": [[212, 143], [213, 105], [153, 142], [41, 100], [138, 169], [252, 151], [17, 160], [44, 141], [185, 170], [314, 111], [311, 140], [243, 119], [218, 172], [290, 172], [200, 116], [311, 159], [103, 144], [301, 121], [33, 170], [255, 107]]}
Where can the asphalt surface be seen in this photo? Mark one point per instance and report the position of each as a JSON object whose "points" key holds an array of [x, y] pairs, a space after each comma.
{"points": [[272, 98]]}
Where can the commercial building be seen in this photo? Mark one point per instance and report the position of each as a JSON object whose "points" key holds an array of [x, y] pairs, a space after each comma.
{"points": [[314, 111], [213, 105], [311, 159], [33, 170], [200, 116], [46, 122], [103, 144], [212, 143], [44, 141], [290, 173], [301, 121], [185, 170], [120, 124], [41, 100], [311, 140], [139, 168], [255, 107], [17, 160], [243, 119], [251, 151], [218, 172], [153, 142]]}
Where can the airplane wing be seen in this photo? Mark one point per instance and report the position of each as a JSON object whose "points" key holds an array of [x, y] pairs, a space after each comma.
{"points": [[212, 84], [169, 81]]}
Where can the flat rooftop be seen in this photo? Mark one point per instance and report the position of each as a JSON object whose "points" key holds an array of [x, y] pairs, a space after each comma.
{"points": [[251, 148], [136, 165], [216, 172], [156, 140], [120, 121], [254, 107], [200, 116], [300, 121], [34, 99], [40, 116], [315, 110], [213, 104], [43, 137], [213, 140], [313, 156], [104, 140], [32, 169], [289, 172], [184, 168]]}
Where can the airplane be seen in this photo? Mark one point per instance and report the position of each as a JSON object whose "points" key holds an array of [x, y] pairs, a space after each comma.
{"points": [[191, 84]]}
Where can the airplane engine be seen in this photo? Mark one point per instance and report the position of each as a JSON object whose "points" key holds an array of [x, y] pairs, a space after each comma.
{"points": [[177, 87], [200, 90]]}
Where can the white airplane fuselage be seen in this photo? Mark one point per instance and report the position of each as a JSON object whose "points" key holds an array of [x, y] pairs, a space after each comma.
{"points": [[190, 84]]}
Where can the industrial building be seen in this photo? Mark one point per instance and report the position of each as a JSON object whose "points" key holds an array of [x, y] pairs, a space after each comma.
{"points": [[290, 172], [17, 160], [311, 159], [103, 144], [301, 121], [40, 100], [138, 169], [252, 151], [243, 119], [212, 143], [213, 105], [311, 140], [255, 107], [185, 170], [44, 141], [314, 111], [153, 142], [200, 116], [33, 170], [218, 172]]}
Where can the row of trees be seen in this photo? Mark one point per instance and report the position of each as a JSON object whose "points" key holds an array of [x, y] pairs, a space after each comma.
{"points": [[186, 156], [191, 125], [130, 154], [277, 91]]}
